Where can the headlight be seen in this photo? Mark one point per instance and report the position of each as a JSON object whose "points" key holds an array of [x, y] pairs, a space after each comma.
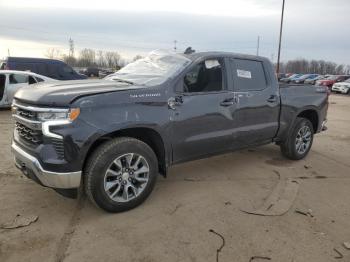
{"points": [[69, 115]]}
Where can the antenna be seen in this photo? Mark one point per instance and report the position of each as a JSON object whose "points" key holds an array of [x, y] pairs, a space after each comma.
{"points": [[258, 45], [175, 48]]}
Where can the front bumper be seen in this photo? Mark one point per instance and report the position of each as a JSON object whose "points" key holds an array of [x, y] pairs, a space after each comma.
{"points": [[31, 167]]}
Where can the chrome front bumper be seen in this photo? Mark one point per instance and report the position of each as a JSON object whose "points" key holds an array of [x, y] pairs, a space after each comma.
{"points": [[30, 166]]}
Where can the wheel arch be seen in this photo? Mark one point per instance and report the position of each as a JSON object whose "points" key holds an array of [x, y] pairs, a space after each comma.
{"points": [[312, 115], [145, 134]]}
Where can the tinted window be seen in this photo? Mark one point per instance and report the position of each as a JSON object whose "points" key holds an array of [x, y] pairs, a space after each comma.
{"points": [[38, 79], [248, 75], [2, 85], [31, 80], [53, 70], [18, 79], [41, 69], [68, 70], [25, 67], [204, 77]]}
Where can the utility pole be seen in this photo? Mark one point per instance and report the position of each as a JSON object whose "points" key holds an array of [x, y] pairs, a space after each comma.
{"points": [[280, 40], [8, 51], [175, 48], [257, 45], [71, 47]]}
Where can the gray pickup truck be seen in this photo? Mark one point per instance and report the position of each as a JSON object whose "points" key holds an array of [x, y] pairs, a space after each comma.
{"points": [[112, 137]]}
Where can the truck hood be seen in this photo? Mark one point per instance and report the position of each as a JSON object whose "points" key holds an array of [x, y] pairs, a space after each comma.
{"points": [[62, 93]]}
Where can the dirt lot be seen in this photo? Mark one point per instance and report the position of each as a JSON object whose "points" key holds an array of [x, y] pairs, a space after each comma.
{"points": [[174, 223]]}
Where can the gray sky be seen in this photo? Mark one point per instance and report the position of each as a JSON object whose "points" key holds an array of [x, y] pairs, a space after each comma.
{"points": [[313, 28]]}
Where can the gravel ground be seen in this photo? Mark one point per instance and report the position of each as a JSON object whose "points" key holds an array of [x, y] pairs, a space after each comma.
{"points": [[174, 223]]}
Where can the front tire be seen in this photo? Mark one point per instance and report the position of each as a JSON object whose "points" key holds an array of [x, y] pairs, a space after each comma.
{"points": [[299, 142], [120, 174]]}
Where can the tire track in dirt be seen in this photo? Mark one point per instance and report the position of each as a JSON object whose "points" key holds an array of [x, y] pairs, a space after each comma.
{"points": [[69, 231]]}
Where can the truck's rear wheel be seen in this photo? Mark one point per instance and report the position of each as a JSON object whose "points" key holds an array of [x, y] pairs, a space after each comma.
{"points": [[299, 143], [120, 174]]}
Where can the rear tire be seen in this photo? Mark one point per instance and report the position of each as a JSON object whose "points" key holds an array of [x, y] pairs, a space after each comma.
{"points": [[299, 142], [120, 174]]}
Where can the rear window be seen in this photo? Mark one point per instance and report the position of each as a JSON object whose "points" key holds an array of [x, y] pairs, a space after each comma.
{"points": [[18, 79], [248, 75]]}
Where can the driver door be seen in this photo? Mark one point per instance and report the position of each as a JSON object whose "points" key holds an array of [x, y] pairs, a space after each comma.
{"points": [[202, 114]]}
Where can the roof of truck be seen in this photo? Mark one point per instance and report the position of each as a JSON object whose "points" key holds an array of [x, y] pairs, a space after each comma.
{"points": [[195, 55]]}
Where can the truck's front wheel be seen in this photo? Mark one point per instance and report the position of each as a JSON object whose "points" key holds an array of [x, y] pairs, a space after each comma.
{"points": [[299, 142], [120, 174]]}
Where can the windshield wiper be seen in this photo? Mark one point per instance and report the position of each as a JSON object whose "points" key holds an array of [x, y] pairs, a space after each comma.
{"points": [[123, 81]]}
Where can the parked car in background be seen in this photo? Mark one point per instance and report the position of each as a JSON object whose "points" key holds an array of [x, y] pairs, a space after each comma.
{"points": [[105, 72], [290, 78], [342, 87], [281, 75], [52, 68], [312, 81], [90, 72], [11, 81], [331, 80], [302, 78]]}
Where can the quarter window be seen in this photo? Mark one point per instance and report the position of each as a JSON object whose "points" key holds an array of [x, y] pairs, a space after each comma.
{"points": [[248, 75], [204, 77]]}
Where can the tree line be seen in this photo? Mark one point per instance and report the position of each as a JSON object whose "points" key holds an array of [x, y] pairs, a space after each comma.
{"points": [[88, 57], [322, 67]]}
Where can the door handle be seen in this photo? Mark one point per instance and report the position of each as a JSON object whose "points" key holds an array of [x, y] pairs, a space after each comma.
{"points": [[272, 99], [228, 102]]}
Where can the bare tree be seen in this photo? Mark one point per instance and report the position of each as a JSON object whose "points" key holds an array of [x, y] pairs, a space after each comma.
{"points": [[87, 57], [52, 53], [304, 66], [101, 61], [112, 59]]}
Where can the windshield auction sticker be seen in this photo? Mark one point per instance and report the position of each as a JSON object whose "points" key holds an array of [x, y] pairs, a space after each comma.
{"points": [[244, 73]]}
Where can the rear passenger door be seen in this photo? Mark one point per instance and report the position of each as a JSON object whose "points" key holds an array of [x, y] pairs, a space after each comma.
{"points": [[257, 113]]}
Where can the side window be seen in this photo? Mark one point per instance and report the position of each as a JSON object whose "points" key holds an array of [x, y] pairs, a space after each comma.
{"points": [[41, 69], [68, 70], [2, 85], [248, 75], [25, 66], [31, 80], [53, 70], [18, 79], [204, 77]]}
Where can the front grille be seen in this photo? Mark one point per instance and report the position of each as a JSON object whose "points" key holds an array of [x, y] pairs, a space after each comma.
{"points": [[26, 114], [59, 147], [29, 135]]}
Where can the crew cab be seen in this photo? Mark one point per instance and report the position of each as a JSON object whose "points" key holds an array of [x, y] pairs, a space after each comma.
{"points": [[112, 137]]}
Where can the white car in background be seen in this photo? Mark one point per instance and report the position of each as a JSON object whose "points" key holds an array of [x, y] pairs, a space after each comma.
{"points": [[342, 87], [11, 81]]}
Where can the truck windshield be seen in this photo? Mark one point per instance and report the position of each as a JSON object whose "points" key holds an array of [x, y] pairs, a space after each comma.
{"points": [[154, 69]]}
